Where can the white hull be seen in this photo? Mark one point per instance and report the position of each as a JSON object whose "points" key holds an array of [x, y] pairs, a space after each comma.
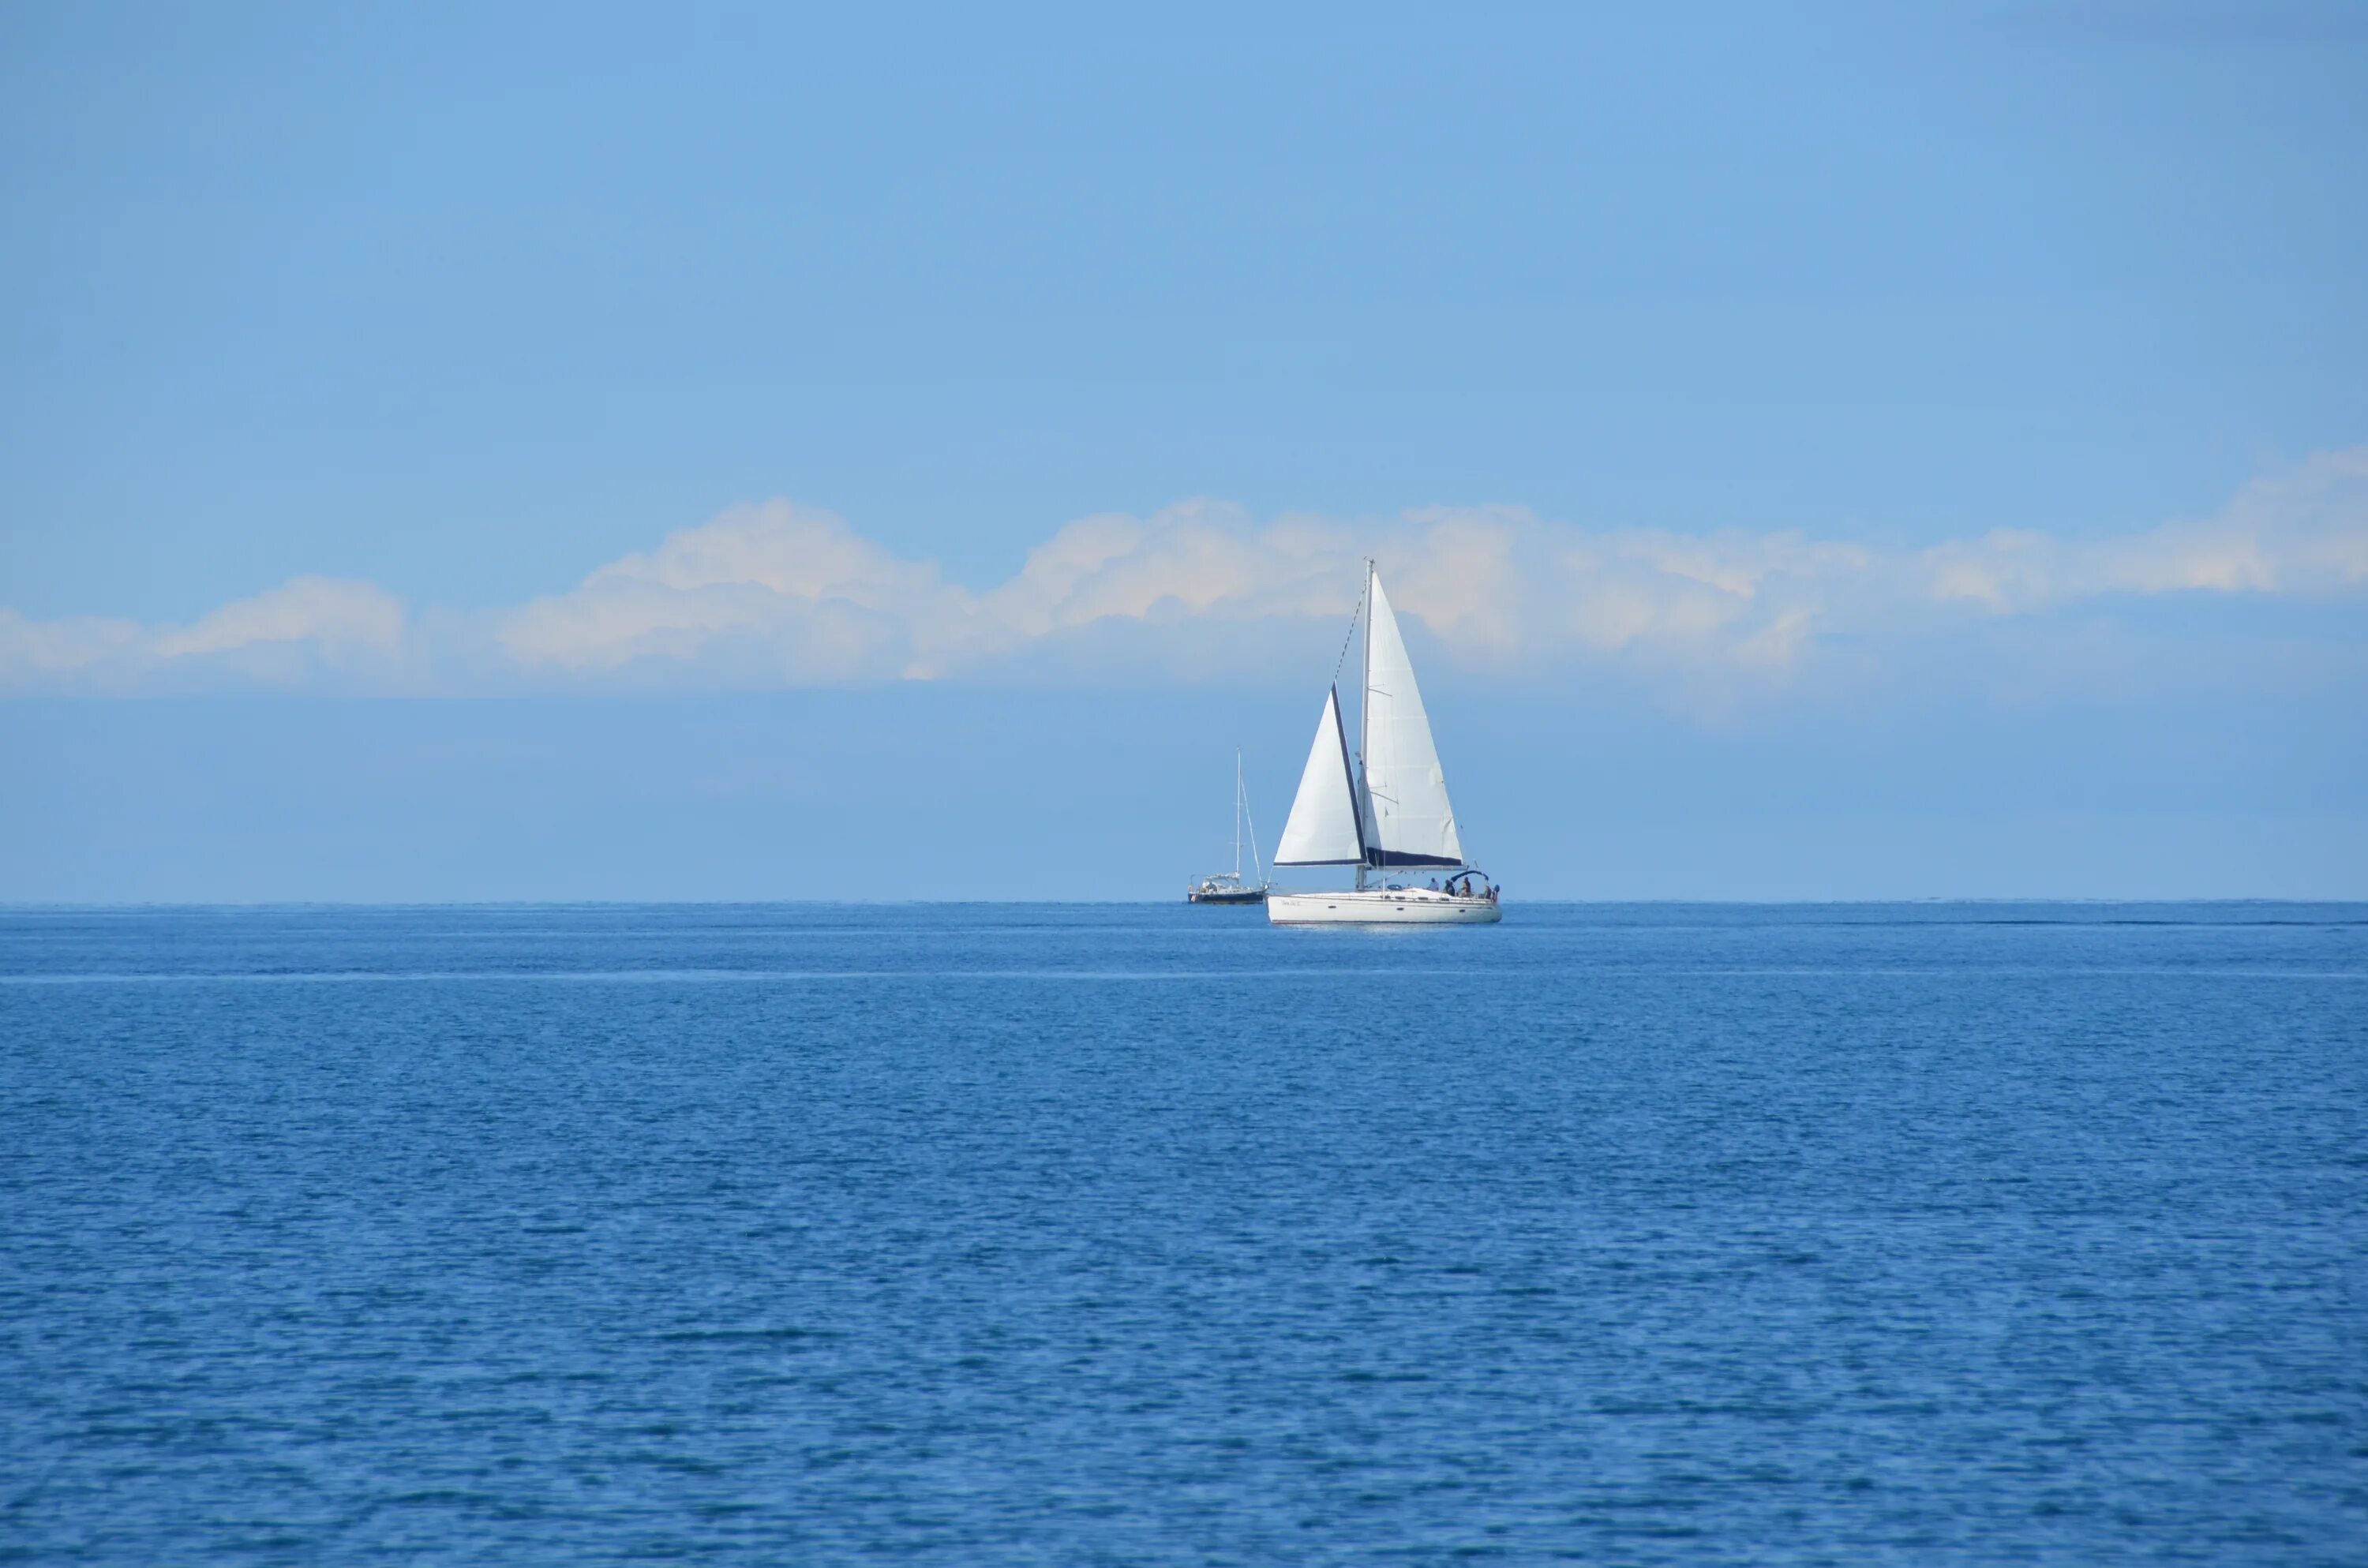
{"points": [[1377, 907]]}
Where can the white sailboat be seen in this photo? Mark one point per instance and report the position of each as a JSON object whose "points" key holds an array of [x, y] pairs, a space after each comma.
{"points": [[1386, 811], [1227, 887]]}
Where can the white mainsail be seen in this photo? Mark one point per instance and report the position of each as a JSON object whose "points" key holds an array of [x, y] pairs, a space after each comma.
{"points": [[1409, 821], [1323, 829]]}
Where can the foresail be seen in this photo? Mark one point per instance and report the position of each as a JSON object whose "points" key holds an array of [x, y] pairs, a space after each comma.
{"points": [[1412, 823], [1322, 827]]}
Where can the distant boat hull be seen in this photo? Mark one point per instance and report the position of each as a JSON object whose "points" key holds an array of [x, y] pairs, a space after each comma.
{"points": [[1225, 895], [1382, 906]]}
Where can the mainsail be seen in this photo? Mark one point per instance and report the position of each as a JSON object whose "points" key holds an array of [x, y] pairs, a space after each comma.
{"points": [[1408, 821], [1323, 829]]}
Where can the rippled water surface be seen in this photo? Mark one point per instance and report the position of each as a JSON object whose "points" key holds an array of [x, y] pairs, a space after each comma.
{"points": [[1138, 1234]]}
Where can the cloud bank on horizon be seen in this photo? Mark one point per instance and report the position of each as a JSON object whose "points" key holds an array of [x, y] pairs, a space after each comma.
{"points": [[779, 594]]}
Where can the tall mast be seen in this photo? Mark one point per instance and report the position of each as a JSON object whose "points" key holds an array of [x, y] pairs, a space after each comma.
{"points": [[1237, 813], [1365, 720]]}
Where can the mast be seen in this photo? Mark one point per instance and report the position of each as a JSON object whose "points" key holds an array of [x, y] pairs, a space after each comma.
{"points": [[1365, 719], [1237, 813]]}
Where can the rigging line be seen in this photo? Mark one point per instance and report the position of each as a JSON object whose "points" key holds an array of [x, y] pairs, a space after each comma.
{"points": [[1342, 662]]}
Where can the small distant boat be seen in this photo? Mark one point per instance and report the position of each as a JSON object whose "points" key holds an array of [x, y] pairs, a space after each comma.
{"points": [[1387, 813], [1227, 887]]}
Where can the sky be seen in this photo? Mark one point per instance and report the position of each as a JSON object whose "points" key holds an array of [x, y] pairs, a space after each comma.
{"points": [[1833, 451]]}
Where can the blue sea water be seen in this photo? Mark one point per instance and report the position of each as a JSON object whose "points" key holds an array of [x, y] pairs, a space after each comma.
{"points": [[1004, 1235]]}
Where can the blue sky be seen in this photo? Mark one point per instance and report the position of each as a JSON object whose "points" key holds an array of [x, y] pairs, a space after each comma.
{"points": [[1825, 451]]}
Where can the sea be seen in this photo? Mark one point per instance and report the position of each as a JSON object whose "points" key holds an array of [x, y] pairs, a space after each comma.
{"points": [[1050, 1234]]}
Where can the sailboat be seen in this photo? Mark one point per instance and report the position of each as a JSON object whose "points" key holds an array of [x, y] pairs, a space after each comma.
{"points": [[1227, 887], [1385, 810]]}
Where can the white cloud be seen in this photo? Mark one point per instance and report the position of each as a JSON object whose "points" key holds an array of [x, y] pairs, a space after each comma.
{"points": [[779, 591], [302, 632], [2301, 532], [334, 615], [783, 594], [36, 651]]}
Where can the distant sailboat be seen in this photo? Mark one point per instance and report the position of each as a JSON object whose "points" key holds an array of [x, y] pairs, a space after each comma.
{"points": [[1387, 810], [1227, 887]]}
